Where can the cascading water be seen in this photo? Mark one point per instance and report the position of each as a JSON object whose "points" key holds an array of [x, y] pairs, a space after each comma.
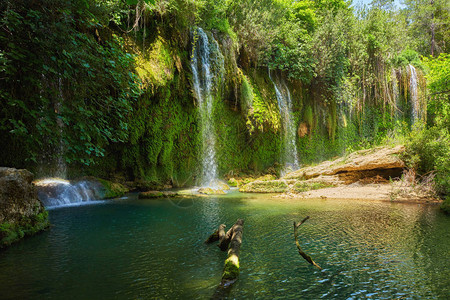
{"points": [[59, 192], [207, 66], [289, 154], [415, 105]]}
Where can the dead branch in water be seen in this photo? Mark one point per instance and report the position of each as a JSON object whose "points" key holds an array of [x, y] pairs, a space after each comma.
{"points": [[300, 251]]}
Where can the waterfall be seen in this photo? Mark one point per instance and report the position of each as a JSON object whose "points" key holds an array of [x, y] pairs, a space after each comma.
{"points": [[415, 105], [55, 192], [289, 153], [207, 64]]}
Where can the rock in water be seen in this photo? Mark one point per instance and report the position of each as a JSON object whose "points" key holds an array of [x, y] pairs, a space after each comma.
{"points": [[21, 212], [210, 191]]}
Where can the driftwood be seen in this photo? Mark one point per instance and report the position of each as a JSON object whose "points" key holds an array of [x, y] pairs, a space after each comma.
{"points": [[300, 251], [231, 269], [224, 242], [232, 241], [217, 235]]}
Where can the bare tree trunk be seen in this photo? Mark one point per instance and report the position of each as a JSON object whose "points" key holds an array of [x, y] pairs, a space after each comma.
{"points": [[225, 241], [231, 269], [300, 251], [432, 27], [217, 235], [232, 241]]}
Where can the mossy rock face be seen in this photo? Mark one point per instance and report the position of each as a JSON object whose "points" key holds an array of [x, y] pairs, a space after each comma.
{"points": [[156, 194], [309, 186], [210, 191], [232, 182], [110, 189], [270, 186], [13, 232], [21, 212], [267, 177]]}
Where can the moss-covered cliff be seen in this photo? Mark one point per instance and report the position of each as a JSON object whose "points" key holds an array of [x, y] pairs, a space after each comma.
{"points": [[140, 120]]}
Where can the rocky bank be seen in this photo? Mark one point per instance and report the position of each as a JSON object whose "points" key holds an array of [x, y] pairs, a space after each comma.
{"points": [[373, 174], [21, 212]]}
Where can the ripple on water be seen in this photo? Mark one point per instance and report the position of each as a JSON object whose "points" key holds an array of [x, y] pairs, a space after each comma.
{"points": [[138, 249]]}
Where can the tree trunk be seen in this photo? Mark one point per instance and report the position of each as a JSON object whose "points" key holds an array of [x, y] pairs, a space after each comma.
{"points": [[231, 269], [300, 251], [432, 27], [217, 235], [225, 241]]}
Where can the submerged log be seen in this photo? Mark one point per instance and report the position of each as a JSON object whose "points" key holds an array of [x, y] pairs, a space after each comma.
{"points": [[300, 251], [231, 269], [232, 241], [225, 241], [216, 235]]}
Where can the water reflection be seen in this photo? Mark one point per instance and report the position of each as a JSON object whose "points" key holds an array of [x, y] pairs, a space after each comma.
{"points": [[153, 249]]}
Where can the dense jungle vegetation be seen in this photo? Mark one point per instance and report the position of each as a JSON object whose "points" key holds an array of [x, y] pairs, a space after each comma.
{"points": [[106, 85]]}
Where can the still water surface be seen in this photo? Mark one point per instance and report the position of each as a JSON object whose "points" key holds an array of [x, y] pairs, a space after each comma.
{"points": [[134, 249]]}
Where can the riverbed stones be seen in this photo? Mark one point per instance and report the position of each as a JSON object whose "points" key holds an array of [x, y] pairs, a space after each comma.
{"points": [[21, 212]]}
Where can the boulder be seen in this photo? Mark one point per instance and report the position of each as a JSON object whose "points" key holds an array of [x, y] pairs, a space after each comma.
{"points": [[232, 182], [211, 191], [21, 212]]}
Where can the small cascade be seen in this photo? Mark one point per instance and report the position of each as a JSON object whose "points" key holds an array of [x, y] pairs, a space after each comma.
{"points": [[207, 66], [289, 154], [59, 192], [415, 105]]}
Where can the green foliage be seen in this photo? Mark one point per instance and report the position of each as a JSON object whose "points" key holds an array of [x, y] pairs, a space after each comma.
{"points": [[445, 206], [438, 78], [407, 56], [79, 89], [428, 150]]}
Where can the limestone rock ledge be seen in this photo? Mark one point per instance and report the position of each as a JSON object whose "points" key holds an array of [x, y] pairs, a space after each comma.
{"points": [[21, 212], [370, 165]]}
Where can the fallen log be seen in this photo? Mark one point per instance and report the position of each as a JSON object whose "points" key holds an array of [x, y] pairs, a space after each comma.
{"points": [[224, 242], [232, 241], [300, 251], [216, 235], [231, 269]]}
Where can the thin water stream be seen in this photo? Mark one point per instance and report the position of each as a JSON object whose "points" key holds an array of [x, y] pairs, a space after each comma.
{"points": [[289, 157], [135, 249]]}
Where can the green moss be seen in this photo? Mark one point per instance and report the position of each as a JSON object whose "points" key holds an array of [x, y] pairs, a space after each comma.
{"points": [[12, 232], [308, 116], [272, 186], [112, 189], [231, 270], [232, 182], [155, 65], [304, 187]]}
